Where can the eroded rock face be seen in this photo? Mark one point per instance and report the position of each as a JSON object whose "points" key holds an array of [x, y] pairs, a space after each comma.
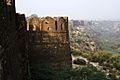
{"points": [[91, 46], [84, 38]]}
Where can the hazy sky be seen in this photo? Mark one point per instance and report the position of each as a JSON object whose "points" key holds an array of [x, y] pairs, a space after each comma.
{"points": [[75, 9]]}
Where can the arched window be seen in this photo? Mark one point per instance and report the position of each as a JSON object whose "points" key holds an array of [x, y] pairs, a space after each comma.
{"points": [[56, 25], [61, 26]]}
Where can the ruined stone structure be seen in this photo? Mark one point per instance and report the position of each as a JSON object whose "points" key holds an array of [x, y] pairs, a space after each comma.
{"points": [[22, 49], [13, 59], [49, 41], [45, 40]]}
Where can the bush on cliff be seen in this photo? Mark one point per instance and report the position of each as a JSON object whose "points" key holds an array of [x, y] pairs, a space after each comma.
{"points": [[67, 73]]}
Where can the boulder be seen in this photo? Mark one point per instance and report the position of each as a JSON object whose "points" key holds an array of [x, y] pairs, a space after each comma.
{"points": [[79, 61]]}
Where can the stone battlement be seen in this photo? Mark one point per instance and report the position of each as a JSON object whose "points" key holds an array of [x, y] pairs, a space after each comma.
{"points": [[48, 24], [49, 40]]}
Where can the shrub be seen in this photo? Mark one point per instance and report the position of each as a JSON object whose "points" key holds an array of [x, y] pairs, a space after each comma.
{"points": [[66, 73], [41, 72], [102, 55], [117, 64], [87, 73], [115, 56], [76, 53], [115, 60], [87, 55]]}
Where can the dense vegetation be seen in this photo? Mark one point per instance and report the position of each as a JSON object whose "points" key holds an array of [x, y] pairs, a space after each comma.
{"points": [[105, 54], [67, 73]]}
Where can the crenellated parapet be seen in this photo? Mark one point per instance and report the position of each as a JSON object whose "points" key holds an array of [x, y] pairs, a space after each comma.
{"points": [[48, 24]]}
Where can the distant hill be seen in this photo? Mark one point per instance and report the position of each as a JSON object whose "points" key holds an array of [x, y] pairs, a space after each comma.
{"points": [[106, 33]]}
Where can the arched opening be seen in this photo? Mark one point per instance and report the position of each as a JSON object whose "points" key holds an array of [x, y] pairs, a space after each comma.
{"points": [[61, 26]]}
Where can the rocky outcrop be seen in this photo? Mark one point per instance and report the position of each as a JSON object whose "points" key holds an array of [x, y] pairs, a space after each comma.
{"points": [[83, 38], [79, 61], [106, 67]]}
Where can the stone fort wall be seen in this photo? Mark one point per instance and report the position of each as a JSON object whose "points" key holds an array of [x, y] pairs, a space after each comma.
{"points": [[44, 40], [13, 60], [49, 40]]}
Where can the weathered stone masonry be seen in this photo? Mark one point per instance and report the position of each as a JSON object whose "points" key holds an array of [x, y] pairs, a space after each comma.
{"points": [[12, 55], [49, 41], [45, 40]]}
